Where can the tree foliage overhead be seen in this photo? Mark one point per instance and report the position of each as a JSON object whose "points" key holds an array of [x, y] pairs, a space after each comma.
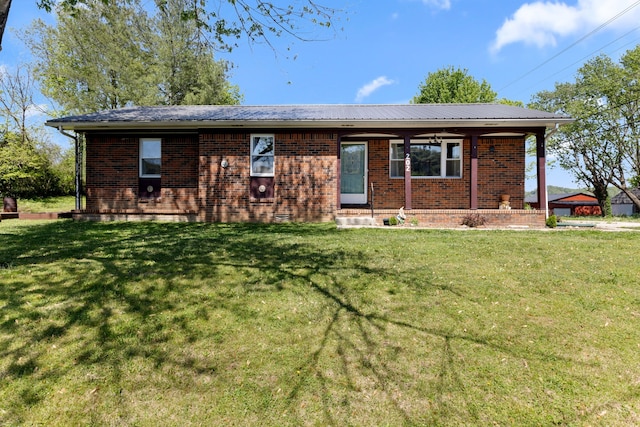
{"points": [[94, 62], [602, 146], [112, 54], [226, 21], [187, 72], [453, 85]]}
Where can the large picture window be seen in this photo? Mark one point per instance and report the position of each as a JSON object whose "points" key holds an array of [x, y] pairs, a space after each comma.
{"points": [[262, 154], [150, 157], [429, 159]]}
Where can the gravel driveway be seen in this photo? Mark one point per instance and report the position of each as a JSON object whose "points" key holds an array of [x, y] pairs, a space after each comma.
{"points": [[603, 225]]}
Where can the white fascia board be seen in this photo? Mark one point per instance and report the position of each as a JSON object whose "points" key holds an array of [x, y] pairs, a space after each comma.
{"points": [[310, 124]]}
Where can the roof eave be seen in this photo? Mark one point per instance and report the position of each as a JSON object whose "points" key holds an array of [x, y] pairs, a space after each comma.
{"points": [[318, 124]]}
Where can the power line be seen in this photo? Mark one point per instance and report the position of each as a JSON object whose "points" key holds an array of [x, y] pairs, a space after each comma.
{"points": [[581, 39], [588, 56]]}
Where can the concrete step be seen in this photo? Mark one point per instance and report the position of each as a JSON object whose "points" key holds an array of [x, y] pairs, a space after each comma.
{"points": [[355, 221]]}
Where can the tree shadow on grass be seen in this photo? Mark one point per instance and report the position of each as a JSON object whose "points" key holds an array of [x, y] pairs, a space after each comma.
{"points": [[125, 291], [368, 344]]}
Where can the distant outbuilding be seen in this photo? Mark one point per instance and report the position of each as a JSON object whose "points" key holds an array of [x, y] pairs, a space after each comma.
{"points": [[621, 204], [569, 204]]}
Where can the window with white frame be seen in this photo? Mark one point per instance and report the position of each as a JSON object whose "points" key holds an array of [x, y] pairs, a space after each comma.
{"points": [[150, 157], [262, 154], [430, 158]]}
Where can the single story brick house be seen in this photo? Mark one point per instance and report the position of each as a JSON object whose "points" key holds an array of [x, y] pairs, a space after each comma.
{"points": [[311, 162]]}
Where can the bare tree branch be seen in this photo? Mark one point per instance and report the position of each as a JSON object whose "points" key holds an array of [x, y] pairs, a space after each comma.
{"points": [[16, 98]]}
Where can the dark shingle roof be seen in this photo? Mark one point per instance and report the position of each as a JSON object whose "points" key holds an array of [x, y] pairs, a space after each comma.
{"points": [[622, 199], [312, 115]]}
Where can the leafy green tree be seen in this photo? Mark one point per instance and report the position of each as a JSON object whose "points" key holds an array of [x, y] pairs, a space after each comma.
{"points": [[63, 168], [626, 98], [26, 159], [112, 54], [186, 70], [24, 171], [506, 101], [93, 60], [226, 21], [29, 170], [453, 85], [577, 146], [601, 147]]}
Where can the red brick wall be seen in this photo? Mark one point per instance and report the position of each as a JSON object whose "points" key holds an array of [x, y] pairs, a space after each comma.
{"points": [[500, 171], [113, 170], [305, 180]]}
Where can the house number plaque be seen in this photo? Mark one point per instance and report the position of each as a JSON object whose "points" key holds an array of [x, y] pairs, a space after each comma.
{"points": [[407, 163]]}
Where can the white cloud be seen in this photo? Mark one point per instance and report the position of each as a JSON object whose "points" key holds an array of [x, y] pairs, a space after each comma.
{"points": [[372, 86], [439, 4], [540, 23]]}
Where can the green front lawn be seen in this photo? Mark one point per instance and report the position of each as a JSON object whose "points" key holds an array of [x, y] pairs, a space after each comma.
{"points": [[294, 324], [47, 204]]}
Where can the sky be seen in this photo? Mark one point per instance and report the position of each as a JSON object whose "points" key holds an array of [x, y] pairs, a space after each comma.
{"points": [[380, 51]]}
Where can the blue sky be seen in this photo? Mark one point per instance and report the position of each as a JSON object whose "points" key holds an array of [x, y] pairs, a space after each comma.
{"points": [[381, 50]]}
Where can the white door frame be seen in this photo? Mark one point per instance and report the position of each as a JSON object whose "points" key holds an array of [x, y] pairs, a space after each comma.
{"points": [[355, 198]]}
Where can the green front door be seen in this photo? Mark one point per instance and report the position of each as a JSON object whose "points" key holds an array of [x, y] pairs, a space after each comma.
{"points": [[353, 173]]}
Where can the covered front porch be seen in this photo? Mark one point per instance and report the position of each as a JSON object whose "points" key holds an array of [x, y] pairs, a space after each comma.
{"points": [[491, 164]]}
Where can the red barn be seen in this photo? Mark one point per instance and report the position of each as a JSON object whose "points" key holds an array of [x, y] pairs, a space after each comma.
{"points": [[571, 204]]}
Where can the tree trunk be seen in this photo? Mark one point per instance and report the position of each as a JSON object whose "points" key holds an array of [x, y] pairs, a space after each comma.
{"points": [[9, 204], [601, 193], [4, 14]]}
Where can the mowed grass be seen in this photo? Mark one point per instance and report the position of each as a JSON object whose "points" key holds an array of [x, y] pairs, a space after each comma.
{"points": [[152, 324], [47, 204]]}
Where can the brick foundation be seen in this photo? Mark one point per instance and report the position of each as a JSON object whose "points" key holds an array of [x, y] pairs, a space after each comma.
{"points": [[452, 218]]}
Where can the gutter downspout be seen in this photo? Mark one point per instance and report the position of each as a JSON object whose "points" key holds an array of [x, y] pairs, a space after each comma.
{"points": [[78, 162]]}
